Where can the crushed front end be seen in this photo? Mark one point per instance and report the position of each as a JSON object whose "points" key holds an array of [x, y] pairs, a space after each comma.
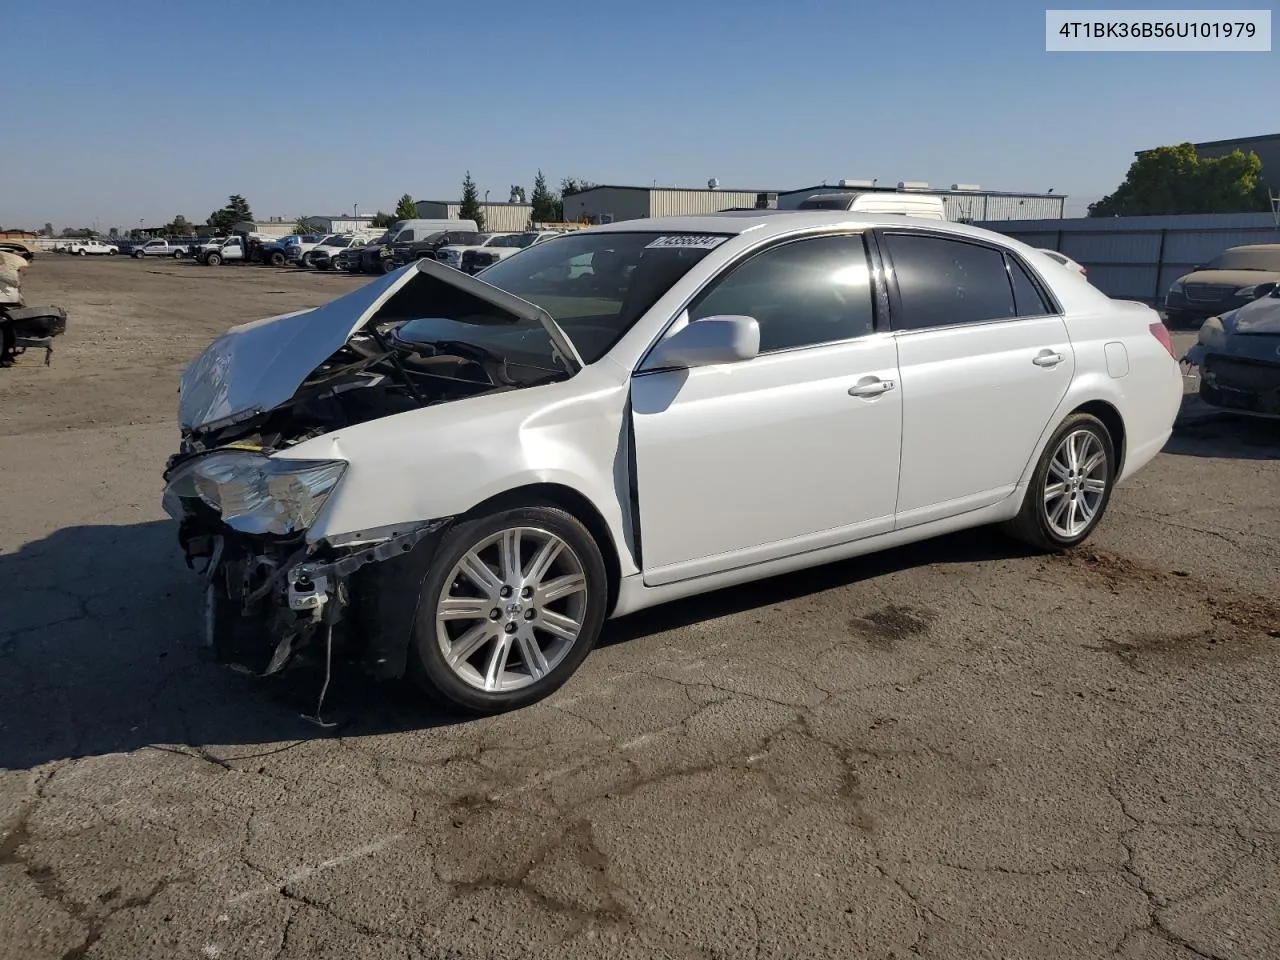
{"points": [[270, 594]]}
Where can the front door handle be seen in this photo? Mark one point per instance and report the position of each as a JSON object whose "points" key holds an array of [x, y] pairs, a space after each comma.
{"points": [[871, 387], [1047, 358]]}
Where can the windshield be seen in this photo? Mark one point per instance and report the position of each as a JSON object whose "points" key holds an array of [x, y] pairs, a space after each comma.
{"points": [[596, 286], [335, 240], [515, 240], [1245, 258]]}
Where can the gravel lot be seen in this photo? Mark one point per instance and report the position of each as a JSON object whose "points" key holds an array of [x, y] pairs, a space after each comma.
{"points": [[955, 750]]}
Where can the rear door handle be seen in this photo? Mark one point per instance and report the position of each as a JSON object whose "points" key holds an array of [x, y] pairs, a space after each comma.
{"points": [[1047, 358], [871, 388]]}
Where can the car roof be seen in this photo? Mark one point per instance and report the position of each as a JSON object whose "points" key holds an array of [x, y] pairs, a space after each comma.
{"points": [[779, 222]]}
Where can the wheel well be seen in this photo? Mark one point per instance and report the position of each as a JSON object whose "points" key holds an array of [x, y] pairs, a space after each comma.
{"points": [[573, 502], [1114, 423]]}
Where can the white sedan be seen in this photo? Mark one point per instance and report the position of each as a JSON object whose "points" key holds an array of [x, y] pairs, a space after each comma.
{"points": [[459, 479]]}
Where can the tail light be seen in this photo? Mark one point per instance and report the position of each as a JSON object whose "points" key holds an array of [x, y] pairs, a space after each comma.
{"points": [[1161, 333]]}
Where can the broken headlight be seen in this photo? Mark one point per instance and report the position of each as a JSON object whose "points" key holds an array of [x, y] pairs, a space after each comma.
{"points": [[255, 494]]}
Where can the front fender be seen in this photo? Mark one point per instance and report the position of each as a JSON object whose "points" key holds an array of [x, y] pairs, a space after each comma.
{"points": [[443, 460]]}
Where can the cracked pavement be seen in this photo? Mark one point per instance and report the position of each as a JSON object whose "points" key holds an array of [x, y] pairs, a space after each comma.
{"points": [[954, 750]]}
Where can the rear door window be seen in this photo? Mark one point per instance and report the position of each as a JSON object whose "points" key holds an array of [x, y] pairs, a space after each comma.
{"points": [[944, 282]]}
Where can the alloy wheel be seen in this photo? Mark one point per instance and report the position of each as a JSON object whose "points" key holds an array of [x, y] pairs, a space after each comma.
{"points": [[512, 609], [1076, 484]]}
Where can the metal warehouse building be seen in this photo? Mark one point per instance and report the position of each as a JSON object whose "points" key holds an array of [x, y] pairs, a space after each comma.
{"points": [[963, 202], [498, 217], [607, 204]]}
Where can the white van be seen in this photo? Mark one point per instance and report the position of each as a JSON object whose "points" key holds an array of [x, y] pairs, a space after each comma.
{"points": [[907, 204], [404, 231]]}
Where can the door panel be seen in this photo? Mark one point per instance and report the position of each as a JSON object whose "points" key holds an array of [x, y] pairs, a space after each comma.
{"points": [[742, 463], [984, 363], [974, 404]]}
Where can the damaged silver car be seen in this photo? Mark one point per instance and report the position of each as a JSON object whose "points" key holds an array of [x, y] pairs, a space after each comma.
{"points": [[1238, 354]]}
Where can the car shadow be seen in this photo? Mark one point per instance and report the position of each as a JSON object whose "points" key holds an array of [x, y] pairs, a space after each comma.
{"points": [[968, 546], [1205, 431], [99, 641]]}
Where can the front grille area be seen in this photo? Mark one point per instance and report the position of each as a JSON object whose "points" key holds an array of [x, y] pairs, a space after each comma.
{"points": [[1243, 384], [1209, 292]]}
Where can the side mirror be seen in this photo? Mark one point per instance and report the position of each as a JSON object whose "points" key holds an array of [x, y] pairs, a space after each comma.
{"points": [[702, 343]]}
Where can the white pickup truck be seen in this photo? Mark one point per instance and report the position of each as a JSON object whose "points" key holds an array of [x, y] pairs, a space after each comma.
{"points": [[86, 248], [163, 248], [230, 249]]}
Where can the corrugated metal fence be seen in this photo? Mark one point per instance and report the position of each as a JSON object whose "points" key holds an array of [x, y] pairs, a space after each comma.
{"points": [[1137, 258]]}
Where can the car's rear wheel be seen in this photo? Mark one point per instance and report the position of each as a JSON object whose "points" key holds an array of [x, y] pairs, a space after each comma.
{"points": [[1071, 486], [513, 603], [213, 259]]}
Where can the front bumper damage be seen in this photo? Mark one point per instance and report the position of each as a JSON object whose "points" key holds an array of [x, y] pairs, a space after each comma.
{"points": [[269, 601]]}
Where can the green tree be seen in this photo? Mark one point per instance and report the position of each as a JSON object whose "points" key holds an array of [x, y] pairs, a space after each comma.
{"points": [[113, 233], [48, 230], [236, 211], [382, 221], [470, 208], [544, 202], [1176, 180], [305, 225], [406, 209], [180, 226]]}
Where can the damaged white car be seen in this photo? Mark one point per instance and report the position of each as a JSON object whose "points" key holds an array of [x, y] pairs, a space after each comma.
{"points": [[459, 479]]}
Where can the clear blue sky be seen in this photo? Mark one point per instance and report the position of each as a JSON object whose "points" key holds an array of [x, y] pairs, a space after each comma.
{"points": [[141, 109]]}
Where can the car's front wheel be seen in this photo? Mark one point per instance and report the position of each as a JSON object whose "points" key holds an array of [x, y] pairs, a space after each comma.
{"points": [[513, 603], [1071, 486]]}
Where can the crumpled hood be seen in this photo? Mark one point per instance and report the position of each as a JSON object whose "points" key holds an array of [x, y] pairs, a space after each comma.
{"points": [[257, 366], [1260, 316]]}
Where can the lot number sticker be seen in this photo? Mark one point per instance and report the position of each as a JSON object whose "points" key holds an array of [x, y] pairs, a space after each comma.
{"points": [[687, 241]]}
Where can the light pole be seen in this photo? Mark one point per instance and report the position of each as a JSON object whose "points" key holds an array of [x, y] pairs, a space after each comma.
{"points": [[355, 211]]}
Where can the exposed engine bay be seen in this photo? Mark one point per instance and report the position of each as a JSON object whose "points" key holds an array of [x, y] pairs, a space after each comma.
{"points": [[376, 374]]}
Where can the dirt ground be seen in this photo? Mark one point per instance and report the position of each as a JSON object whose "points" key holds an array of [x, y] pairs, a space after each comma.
{"points": [[954, 750]]}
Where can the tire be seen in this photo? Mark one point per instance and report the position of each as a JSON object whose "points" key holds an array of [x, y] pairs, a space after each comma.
{"points": [[519, 627], [83, 252], [213, 259], [177, 254], [277, 258], [111, 253], [1036, 524], [387, 266]]}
